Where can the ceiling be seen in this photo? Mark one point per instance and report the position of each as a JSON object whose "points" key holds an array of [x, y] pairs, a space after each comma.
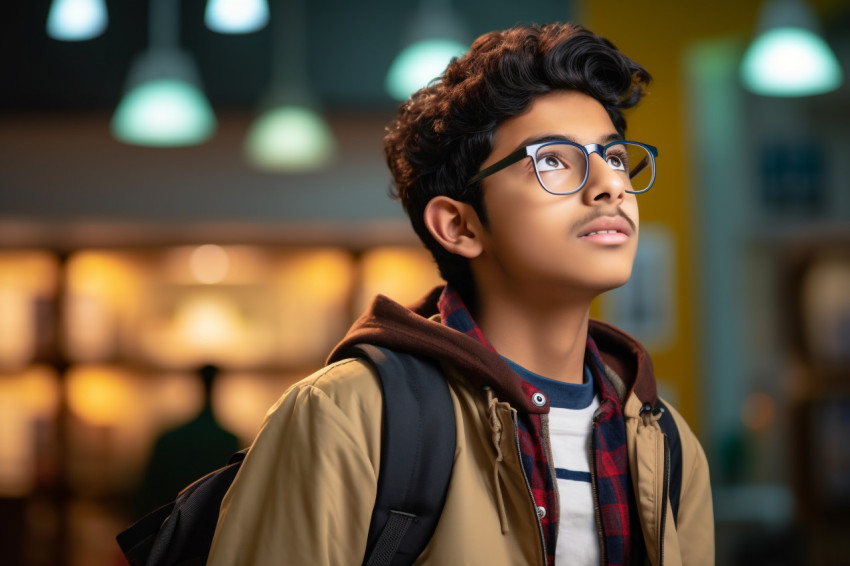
{"points": [[66, 182], [350, 45]]}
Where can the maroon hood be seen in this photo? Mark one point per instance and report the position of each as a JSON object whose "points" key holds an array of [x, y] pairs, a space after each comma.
{"points": [[389, 324]]}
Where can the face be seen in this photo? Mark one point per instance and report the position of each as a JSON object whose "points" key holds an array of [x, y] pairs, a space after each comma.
{"points": [[556, 246]]}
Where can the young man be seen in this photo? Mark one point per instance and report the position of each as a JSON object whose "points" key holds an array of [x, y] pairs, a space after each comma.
{"points": [[514, 171]]}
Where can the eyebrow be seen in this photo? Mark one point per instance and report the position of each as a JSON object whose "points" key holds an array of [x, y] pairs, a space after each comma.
{"points": [[561, 137]]}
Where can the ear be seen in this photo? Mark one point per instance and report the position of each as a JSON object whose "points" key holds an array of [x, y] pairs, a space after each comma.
{"points": [[455, 225]]}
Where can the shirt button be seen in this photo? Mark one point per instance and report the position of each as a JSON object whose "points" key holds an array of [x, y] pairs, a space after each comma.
{"points": [[538, 399], [541, 511]]}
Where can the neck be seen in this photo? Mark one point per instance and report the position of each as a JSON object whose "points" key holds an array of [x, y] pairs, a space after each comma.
{"points": [[542, 336]]}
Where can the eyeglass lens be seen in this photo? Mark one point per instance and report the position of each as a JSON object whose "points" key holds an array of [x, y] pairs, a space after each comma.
{"points": [[562, 167]]}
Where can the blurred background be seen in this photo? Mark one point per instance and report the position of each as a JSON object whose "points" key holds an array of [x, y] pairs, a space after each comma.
{"points": [[244, 222]]}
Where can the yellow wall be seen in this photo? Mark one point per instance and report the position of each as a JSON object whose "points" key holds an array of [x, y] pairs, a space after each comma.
{"points": [[656, 33]]}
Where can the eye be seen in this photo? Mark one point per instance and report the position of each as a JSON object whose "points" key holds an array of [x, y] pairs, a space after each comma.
{"points": [[617, 160], [550, 162]]}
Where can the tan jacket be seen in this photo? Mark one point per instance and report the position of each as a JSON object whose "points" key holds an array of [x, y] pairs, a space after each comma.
{"points": [[305, 492]]}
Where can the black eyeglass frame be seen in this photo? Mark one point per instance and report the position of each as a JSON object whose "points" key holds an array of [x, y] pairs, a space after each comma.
{"points": [[531, 151]]}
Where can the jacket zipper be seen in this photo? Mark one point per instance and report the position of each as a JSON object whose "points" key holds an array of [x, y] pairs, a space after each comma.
{"points": [[596, 511], [530, 492], [664, 495]]}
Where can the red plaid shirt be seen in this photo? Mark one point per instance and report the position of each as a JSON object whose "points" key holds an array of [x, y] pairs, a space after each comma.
{"points": [[610, 459]]}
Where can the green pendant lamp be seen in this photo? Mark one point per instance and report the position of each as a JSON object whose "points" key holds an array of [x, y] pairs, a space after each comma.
{"points": [[76, 20], [164, 105], [236, 16], [789, 57], [434, 38], [290, 135]]}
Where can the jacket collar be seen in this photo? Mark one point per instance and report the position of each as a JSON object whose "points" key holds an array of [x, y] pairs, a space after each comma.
{"points": [[417, 329]]}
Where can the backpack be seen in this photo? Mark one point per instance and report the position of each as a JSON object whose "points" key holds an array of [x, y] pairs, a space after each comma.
{"points": [[417, 453]]}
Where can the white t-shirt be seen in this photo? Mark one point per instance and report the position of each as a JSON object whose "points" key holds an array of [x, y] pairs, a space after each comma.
{"points": [[570, 427]]}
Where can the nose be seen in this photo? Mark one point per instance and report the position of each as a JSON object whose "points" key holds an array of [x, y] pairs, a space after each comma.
{"points": [[603, 183]]}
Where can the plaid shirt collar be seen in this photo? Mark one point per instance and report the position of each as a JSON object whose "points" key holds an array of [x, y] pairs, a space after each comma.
{"points": [[610, 460]]}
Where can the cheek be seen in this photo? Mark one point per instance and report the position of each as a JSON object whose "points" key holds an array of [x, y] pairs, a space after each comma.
{"points": [[509, 236], [523, 220]]}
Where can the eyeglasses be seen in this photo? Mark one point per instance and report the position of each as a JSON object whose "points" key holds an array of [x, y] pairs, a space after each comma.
{"points": [[562, 166]]}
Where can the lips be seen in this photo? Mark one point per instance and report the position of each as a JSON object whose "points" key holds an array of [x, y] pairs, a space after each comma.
{"points": [[606, 227]]}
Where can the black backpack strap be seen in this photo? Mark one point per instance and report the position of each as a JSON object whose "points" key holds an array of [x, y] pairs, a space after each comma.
{"points": [[417, 454], [674, 444]]}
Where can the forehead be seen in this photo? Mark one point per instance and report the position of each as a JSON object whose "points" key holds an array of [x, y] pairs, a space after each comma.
{"points": [[565, 113]]}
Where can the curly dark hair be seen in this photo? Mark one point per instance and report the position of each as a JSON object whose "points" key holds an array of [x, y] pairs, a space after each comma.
{"points": [[444, 132]]}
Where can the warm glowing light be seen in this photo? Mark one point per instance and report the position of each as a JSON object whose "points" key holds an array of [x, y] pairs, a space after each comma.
{"points": [[241, 401], [208, 321], [76, 20], [165, 113], [17, 454], [27, 279], [98, 273], [17, 327], [236, 16], [290, 139], [245, 265], [209, 264], [92, 326], [35, 391], [227, 327], [312, 292], [401, 273], [319, 274], [31, 270], [103, 293], [101, 396], [420, 63], [24, 398]]}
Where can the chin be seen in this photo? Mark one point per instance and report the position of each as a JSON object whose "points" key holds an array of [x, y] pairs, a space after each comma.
{"points": [[607, 272], [613, 281]]}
